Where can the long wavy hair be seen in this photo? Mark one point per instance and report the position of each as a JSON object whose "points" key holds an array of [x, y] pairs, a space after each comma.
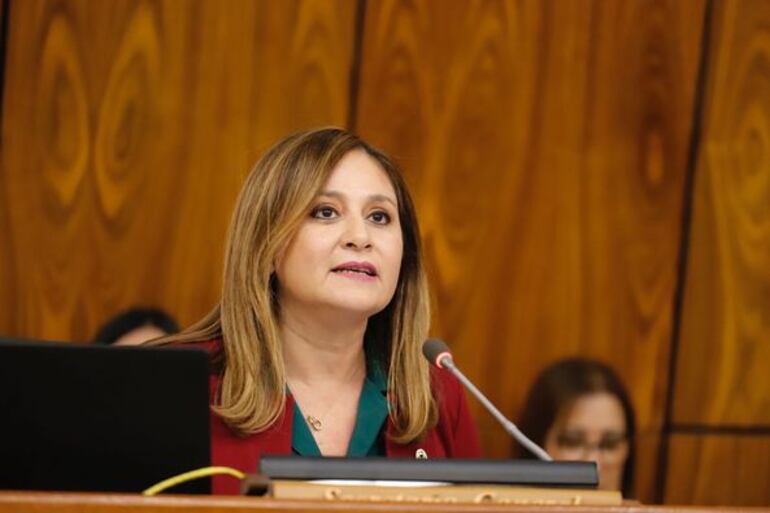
{"points": [[276, 197]]}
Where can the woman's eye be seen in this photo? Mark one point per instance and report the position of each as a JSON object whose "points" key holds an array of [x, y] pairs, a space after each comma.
{"points": [[324, 213], [610, 443], [570, 441], [380, 217]]}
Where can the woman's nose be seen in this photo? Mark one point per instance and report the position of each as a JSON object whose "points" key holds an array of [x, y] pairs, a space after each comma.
{"points": [[592, 452], [356, 235]]}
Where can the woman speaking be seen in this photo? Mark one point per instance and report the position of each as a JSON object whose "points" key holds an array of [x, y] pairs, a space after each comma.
{"points": [[316, 341]]}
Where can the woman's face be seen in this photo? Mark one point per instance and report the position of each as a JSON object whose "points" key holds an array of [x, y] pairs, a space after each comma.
{"points": [[594, 429], [346, 255]]}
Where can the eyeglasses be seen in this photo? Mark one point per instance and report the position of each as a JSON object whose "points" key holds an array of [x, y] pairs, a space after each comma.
{"points": [[575, 444]]}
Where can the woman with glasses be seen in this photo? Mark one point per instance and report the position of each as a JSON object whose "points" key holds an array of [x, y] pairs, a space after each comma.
{"points": [[578, 409]]}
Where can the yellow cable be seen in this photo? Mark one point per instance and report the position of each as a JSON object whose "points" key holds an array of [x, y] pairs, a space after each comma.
{"points": [[189, 476]]}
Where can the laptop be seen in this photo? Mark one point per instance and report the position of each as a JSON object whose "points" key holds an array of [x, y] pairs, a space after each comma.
{"points": [[101, 418]]}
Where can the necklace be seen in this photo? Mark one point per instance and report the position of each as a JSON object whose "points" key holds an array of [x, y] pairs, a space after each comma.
{"points": [[314, 423]]}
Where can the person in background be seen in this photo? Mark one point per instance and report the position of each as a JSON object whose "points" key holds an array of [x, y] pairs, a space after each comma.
{"points": [[578, 409], [136, 326], [316, 342]]}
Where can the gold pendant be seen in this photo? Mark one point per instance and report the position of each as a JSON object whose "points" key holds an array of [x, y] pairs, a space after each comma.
{"points": [[314, 423]]}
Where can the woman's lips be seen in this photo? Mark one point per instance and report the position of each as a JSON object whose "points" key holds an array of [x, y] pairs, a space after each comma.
{"points": [[355, 275], [362, 271]]}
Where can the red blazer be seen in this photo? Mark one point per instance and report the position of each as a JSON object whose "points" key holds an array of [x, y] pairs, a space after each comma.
{"points": [[455, 435]]}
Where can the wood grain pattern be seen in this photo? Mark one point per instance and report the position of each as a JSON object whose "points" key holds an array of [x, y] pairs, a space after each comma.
{"points": [[128, 128], [546, 144], [719, 469], [23, 502], [722, 373], [290, 73]]}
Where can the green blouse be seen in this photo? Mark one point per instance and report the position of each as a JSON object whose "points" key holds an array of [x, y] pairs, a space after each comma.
{"points": [[367, 438]]}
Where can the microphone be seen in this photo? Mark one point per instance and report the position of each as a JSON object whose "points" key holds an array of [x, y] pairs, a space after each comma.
{"points": [[438, 354]]}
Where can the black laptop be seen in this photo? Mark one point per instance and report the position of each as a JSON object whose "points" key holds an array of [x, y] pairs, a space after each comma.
{"points": [[100, 418]]}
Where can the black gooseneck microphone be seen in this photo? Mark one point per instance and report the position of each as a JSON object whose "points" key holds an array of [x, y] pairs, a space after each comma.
{"points": [[438, 354]]}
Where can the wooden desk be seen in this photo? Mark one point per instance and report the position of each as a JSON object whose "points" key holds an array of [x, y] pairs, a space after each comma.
{"points": [[56, 502]]}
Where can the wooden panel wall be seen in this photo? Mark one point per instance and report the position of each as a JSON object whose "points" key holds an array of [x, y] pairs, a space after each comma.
{"points": [[726, 319], [721, 404], [547, 147], [719, 469], [128, 128], [546, 144]]}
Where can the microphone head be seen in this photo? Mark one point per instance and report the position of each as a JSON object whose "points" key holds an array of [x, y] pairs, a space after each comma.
{"points": [[435, 351]]}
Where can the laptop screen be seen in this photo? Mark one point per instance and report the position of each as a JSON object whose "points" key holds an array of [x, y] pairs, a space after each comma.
{"points": [[100, 418]]}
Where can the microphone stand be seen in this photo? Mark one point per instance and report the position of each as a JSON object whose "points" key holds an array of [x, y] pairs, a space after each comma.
{"points": [[509, 426]]}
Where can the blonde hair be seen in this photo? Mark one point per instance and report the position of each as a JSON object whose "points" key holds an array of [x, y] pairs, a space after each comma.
{"points": [[276, 198]]}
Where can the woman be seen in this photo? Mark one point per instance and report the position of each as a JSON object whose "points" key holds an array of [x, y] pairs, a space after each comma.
{"points": [[577, 409], [316, 340]]}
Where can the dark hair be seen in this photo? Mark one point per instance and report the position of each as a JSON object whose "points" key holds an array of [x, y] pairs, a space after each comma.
{"points": [[132, 319], [558, 386]]}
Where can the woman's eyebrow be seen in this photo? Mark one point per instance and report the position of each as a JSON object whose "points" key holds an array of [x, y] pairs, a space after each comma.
{"points": [[371, 197]]}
